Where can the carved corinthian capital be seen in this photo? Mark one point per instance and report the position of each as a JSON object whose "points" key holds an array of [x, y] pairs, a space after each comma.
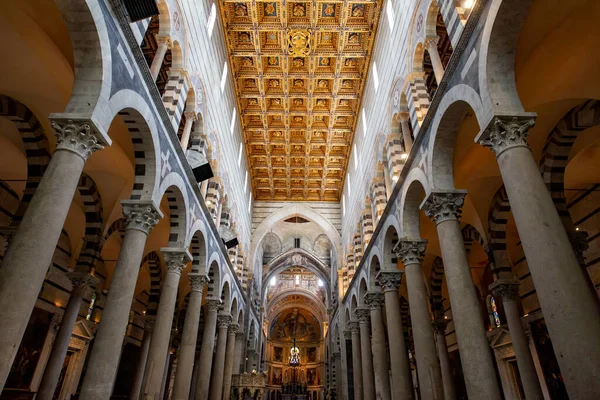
{"points": [[76, 136], [213, 304], [223, 321], [506, 289], [506, 132], [353, 326], [374, 300], [411, 251], [390, 280], [197, 281], [444, 206], [363, 314], [142, 216], [175, 259]]}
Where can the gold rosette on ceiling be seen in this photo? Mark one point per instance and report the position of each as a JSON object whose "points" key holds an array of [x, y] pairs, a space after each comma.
{"points": [[299, 42]]}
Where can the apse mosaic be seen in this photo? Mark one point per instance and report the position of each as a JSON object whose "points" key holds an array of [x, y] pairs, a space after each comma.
{"points": [[295, 323], [299, 71]]}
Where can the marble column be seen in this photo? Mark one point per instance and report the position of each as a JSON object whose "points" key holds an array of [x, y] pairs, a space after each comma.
{"points": [[508, 291], [431, 44], [444, 208], [31, 249], [190, 117], [402, 386], [363, 314], [216, 381], [163, 43], [81, 281], [406, 135], [136, 386], [237, 355], [251, 354], [570, 308], [206, 352], [374, 301], [229, 353], [175, 262], [356, 360], [439, 326], [336, 359], [189, 336], [140, 218], [411, 252]]}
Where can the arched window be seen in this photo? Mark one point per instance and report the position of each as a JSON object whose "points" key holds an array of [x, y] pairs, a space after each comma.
{"points": [[493, 309]]}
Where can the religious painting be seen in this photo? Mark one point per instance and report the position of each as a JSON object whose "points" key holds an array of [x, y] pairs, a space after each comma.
{"points": [[278, 354], [295, 323], [311, 354], [324, 62], [276, 378], [354, 38], [328, 10], [350, 62], [247, 62], [311, 377], [298, 62], [270, 9], [27, 357]]}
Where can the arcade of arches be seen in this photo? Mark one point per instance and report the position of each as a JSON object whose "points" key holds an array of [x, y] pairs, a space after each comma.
{"points": [[300, 200]]}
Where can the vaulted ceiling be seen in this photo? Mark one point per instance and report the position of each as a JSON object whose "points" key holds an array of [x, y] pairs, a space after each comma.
{"points": [[299, 69]]}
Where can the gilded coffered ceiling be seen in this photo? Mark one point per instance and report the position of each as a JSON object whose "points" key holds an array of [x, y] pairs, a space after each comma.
{"points": [[299, 71]]}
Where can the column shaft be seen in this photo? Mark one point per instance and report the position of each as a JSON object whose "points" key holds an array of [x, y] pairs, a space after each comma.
{"points": [[367, 355], [356, 361], [402, 388], [159, 57], [229, 353], [380, 358], [187, 129], [237, 355], [216, 381], [531, 384], [206, 352], [436, 61], [569, 308], [428, 369], [104, 359], [136, 386], [476, 357], [61, 345], [187, 350], [30, 252], [175, 260], [405, 124], [447, 378]]}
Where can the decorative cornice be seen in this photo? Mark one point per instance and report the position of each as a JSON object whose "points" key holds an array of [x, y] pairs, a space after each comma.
{"points": [[506, 289], [142, 216], [411, 251], [213, 304], [390, 280], [197, 281], [190, 115], [374, 300], [363, 314], [223, 321], [506, 132], [175, 259], [443, 206], [76, 136]]}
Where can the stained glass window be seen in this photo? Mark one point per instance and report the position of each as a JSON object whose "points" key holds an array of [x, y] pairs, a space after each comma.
{"points": [[91, 307], [495, 312]]}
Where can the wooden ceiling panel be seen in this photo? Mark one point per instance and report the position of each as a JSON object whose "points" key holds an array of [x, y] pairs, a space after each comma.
{"points": [[299, 71]]}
